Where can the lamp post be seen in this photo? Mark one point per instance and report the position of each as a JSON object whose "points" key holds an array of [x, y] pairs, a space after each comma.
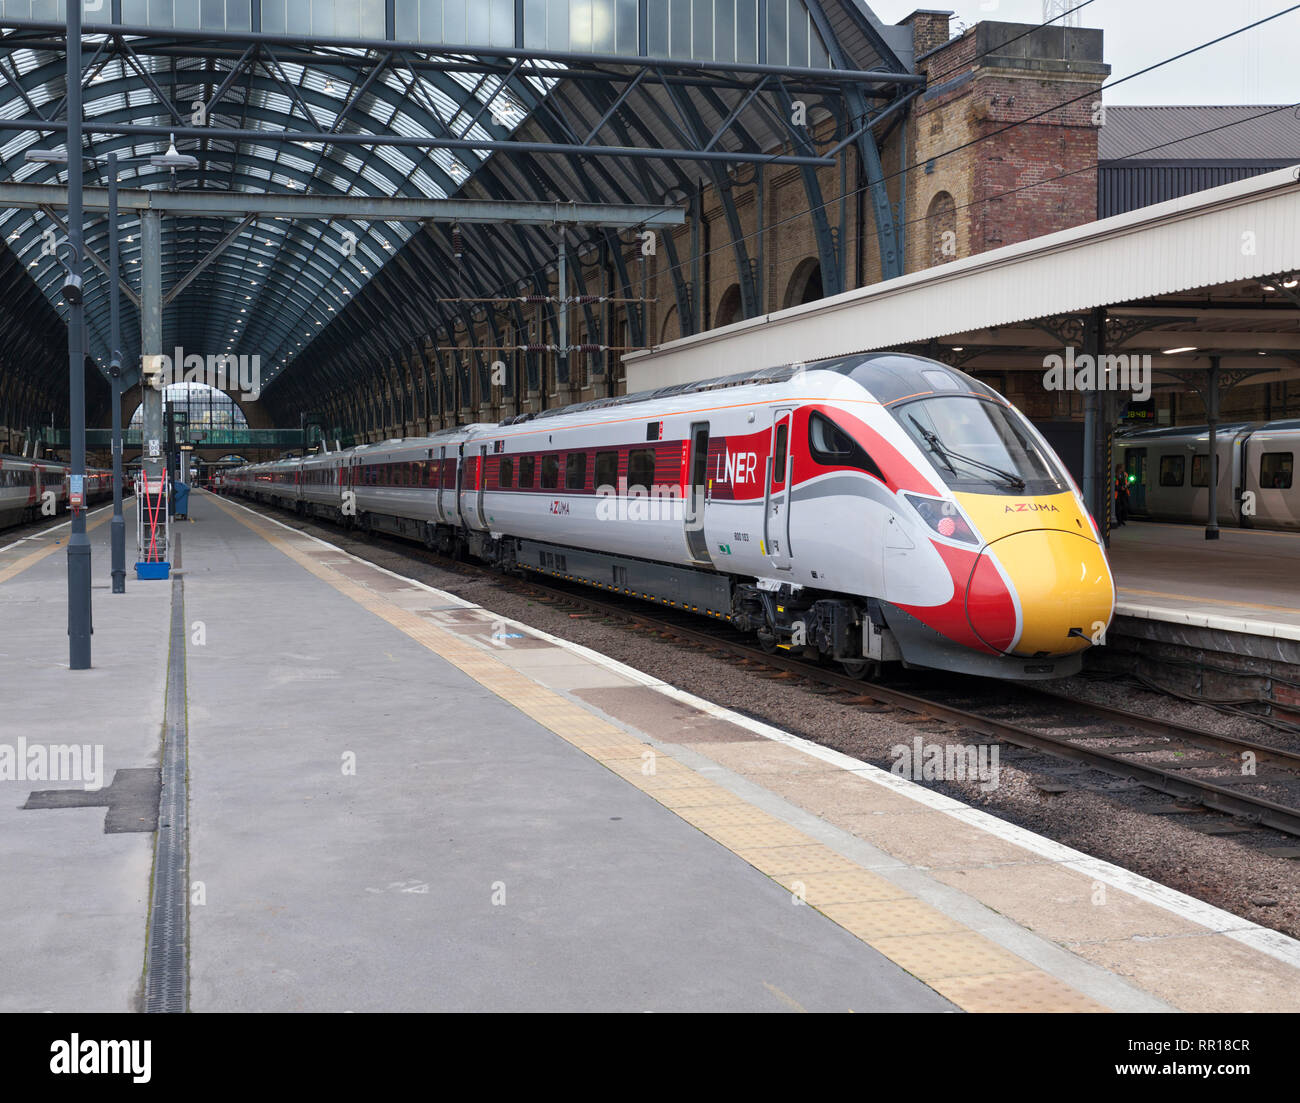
{"points": [[170, 160], [118, 528], [79, 613]]}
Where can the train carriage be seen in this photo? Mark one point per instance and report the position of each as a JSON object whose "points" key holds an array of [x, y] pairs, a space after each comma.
{"points": [[25, 484], [423, 488], [320, 484], [868, 508], [20, 490], [1168, 473]]}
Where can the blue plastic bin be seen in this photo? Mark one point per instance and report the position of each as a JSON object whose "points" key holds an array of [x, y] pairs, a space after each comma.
{"points": [[145, 571]]}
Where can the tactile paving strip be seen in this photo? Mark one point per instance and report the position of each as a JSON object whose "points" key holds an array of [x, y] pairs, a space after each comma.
{"points": [[962, 965]]}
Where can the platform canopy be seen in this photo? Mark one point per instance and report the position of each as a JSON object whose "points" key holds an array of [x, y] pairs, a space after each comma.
{"points": [[1216, 273], [626, 102]]}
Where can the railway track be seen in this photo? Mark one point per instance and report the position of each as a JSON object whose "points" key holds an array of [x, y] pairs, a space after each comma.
{"points": [[1174, 782], [1242, 767]]}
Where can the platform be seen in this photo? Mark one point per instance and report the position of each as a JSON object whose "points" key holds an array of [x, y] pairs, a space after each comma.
{"points": [[74, 881], [400, 801], [1216, 619], [1247, 581]]}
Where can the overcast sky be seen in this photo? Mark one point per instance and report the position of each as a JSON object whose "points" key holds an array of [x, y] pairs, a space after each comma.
{"points": [[1258, 67]]}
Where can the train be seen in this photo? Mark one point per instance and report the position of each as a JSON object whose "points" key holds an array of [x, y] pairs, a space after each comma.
{"points": [[25, 483], [868, 509], [1168, 473]]}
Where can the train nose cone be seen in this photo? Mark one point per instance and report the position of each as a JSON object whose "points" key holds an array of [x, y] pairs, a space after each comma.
{"points": [[1060, 581]]}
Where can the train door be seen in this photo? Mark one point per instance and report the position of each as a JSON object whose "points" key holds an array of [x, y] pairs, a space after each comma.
{"points": [[1240, 470], [1250, 481], [1225, 495], [776, 498], [440, 482], [696, 493], [460, 482], [1135, 470], [481, 479]]}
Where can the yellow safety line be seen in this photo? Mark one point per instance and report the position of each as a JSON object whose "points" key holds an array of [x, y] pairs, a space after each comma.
{"points": [[968, 969], [20, 565], [1208, 600]]}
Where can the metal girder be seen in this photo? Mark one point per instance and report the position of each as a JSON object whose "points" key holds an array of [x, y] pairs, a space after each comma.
{"points": [[826, 244], [144, 39], [470, 145], [359, 208], [217, 250], [300, 291], [888, 232]]}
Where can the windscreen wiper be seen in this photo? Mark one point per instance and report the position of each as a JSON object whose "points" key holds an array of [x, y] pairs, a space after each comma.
{"points": [[948, 455]]}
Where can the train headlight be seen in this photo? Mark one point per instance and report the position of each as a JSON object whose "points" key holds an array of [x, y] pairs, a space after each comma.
{"points": [[942, 516]]}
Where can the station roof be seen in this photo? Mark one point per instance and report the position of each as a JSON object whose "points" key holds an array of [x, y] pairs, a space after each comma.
{"points": [[1178, 132], [475, 117], [1217, 271]]}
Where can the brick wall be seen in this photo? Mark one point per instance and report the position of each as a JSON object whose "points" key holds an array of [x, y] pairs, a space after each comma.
{"points": [[1022, 121]]}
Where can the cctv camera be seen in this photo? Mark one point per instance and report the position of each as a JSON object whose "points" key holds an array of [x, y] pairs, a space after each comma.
{"points": [[72, 289]]}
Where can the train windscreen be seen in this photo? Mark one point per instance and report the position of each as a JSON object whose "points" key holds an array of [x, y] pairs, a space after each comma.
{"points": [[980, 446]]}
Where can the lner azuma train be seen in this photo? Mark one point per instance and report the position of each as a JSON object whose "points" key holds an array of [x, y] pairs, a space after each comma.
{"points": [[869, 508], [24, 484], [1168, 473]]}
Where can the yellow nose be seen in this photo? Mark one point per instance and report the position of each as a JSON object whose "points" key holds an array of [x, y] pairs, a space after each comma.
{"points": [[1063, 585]]}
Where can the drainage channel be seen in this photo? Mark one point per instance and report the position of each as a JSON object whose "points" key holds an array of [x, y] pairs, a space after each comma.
{"points": [[166, 988]]}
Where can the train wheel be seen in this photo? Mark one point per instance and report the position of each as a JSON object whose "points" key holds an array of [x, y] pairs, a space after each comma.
{"points": [[861, 669], [767, 642]]}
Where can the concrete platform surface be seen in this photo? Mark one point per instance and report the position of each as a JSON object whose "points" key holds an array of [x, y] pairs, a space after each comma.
{"points": [[401, 801], [1247, 581], [73, 894]]}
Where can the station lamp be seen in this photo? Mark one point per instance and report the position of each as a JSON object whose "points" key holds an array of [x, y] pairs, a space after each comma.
{"points": [[173, 159]]}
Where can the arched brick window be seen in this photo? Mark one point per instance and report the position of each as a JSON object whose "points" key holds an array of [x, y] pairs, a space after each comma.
{"points": [[728, 308], [805, 285], [941, 227]]}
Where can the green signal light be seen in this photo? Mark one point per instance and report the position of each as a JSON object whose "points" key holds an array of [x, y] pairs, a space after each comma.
{"points": [[1132, 479]]}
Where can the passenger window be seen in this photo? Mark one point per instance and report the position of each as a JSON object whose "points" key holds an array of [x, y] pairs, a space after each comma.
{"points": [[778, 463], [641, 468], [550, 472], [1275, 470], [1172, 470], [526, 472], [506, 473], [832, 446], [575, 473], [606, 469], [1201, 470]]}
